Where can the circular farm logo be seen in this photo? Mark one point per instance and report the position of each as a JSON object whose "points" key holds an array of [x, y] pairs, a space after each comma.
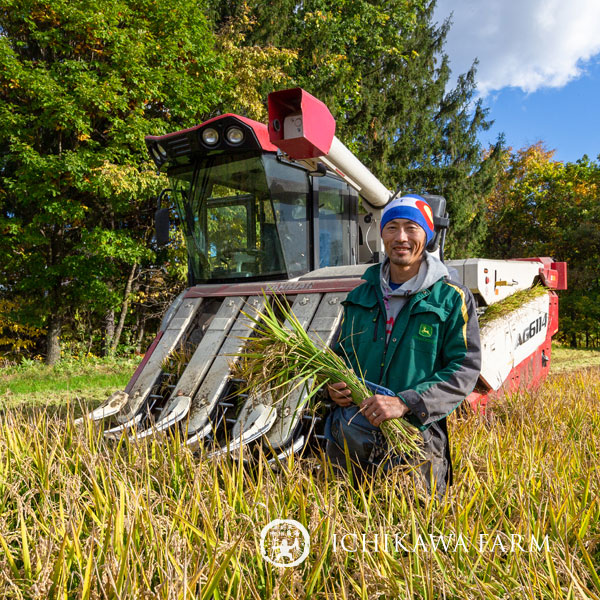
{"points": [[284, 543]]}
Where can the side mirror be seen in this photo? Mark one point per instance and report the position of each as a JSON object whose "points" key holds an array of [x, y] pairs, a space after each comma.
{"points": [[161, 226], [440, 220], [161, 220]]}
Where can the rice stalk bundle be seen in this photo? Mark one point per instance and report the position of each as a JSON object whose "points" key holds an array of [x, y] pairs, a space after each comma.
{"points": [[502, 309], [281, 359]]}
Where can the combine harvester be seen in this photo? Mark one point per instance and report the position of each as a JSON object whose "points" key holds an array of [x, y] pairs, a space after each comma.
{"points": [[275, 210]]}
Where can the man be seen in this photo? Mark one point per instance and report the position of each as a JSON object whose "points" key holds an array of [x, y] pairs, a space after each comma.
{"points": [[412, 330]]}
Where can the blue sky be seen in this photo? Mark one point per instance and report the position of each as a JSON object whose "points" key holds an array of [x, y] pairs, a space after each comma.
{"points": [[539, 69]]}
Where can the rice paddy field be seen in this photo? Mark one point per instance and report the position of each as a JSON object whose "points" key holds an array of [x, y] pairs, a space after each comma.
{"points": [[81, 517]]}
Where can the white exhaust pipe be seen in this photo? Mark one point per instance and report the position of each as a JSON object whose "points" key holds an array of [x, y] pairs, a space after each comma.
{"points": [[303, 128]]}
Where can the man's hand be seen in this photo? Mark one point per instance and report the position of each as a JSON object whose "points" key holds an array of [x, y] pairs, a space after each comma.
{"points": [[379, 408], [376, 409], [340, 393]]}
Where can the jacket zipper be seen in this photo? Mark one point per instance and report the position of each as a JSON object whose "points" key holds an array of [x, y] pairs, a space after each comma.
{"points": [[375, 330], [381, 312], [412, 302]]}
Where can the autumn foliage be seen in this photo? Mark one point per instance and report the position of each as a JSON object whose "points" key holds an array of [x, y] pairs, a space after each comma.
{"points": [[543, 207], [82, 83]]}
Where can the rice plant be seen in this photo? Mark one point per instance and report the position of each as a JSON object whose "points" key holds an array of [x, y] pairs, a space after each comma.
{"points": [[83, 517], [281, 357]]}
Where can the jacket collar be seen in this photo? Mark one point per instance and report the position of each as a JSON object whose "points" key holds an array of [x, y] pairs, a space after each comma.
{"points": [[364, 296]]}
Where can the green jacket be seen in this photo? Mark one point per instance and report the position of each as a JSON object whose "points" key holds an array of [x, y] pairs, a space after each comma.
{"points": [[432, 358]]}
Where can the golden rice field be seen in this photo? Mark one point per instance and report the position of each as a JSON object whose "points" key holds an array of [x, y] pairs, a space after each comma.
{"points": [[83, 518]]}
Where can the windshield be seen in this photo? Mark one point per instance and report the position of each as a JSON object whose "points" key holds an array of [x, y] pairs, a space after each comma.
{"points": [[243, 216]]}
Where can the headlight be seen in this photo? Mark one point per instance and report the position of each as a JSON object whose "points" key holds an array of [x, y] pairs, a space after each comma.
{"points": [[156, 156], [161, 150], [210, 136], [235, 136]]}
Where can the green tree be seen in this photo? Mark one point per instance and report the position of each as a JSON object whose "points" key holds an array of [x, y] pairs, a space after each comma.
{"points": [[380, 68], [82, 83], [543, 207]]}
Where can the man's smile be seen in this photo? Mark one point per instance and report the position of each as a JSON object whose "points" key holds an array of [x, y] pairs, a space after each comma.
{"points": [[402, 249]]}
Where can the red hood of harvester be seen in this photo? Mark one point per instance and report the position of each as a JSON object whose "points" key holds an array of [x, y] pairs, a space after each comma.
{"points": [[260, 131]]}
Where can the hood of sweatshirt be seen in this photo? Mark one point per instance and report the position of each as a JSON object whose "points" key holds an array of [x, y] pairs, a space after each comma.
{"points": [[432, 269]]}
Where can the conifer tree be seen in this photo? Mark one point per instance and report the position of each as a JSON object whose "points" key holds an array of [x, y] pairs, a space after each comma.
{"points": [[380, 68]]}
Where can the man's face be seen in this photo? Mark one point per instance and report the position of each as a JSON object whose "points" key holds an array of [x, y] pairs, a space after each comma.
{"points": [[404, 242]]}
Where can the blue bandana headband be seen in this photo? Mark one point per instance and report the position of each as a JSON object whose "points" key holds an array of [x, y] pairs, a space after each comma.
{"points": [[411, 207]]}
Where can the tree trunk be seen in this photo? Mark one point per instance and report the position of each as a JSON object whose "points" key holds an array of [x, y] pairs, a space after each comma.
{"points": [[53, 339], [124, 307], [109, 331], [140, 336]]}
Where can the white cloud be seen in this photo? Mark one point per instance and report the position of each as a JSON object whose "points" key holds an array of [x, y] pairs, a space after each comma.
{"points": [[528, 44]]}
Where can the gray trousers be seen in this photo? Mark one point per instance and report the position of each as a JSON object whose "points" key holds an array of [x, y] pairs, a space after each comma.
{"points": [[368, 450]]}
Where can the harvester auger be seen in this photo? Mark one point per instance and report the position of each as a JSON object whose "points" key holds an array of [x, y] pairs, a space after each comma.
{"points": [[274, 210]]}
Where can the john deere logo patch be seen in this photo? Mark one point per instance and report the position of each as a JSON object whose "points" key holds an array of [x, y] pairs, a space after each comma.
{"points": [[425, 330]]}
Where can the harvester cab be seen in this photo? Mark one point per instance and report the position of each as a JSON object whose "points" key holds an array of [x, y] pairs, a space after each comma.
{"points": [[249, 215], [287, 210]]}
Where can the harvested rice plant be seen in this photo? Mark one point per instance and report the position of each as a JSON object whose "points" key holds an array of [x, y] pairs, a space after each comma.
{"points": [[84, 518]]}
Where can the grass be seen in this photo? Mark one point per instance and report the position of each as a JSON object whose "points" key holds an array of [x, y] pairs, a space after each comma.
{"points": [[93, 380], [566, 359], [35, 384], [84, 518]]}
